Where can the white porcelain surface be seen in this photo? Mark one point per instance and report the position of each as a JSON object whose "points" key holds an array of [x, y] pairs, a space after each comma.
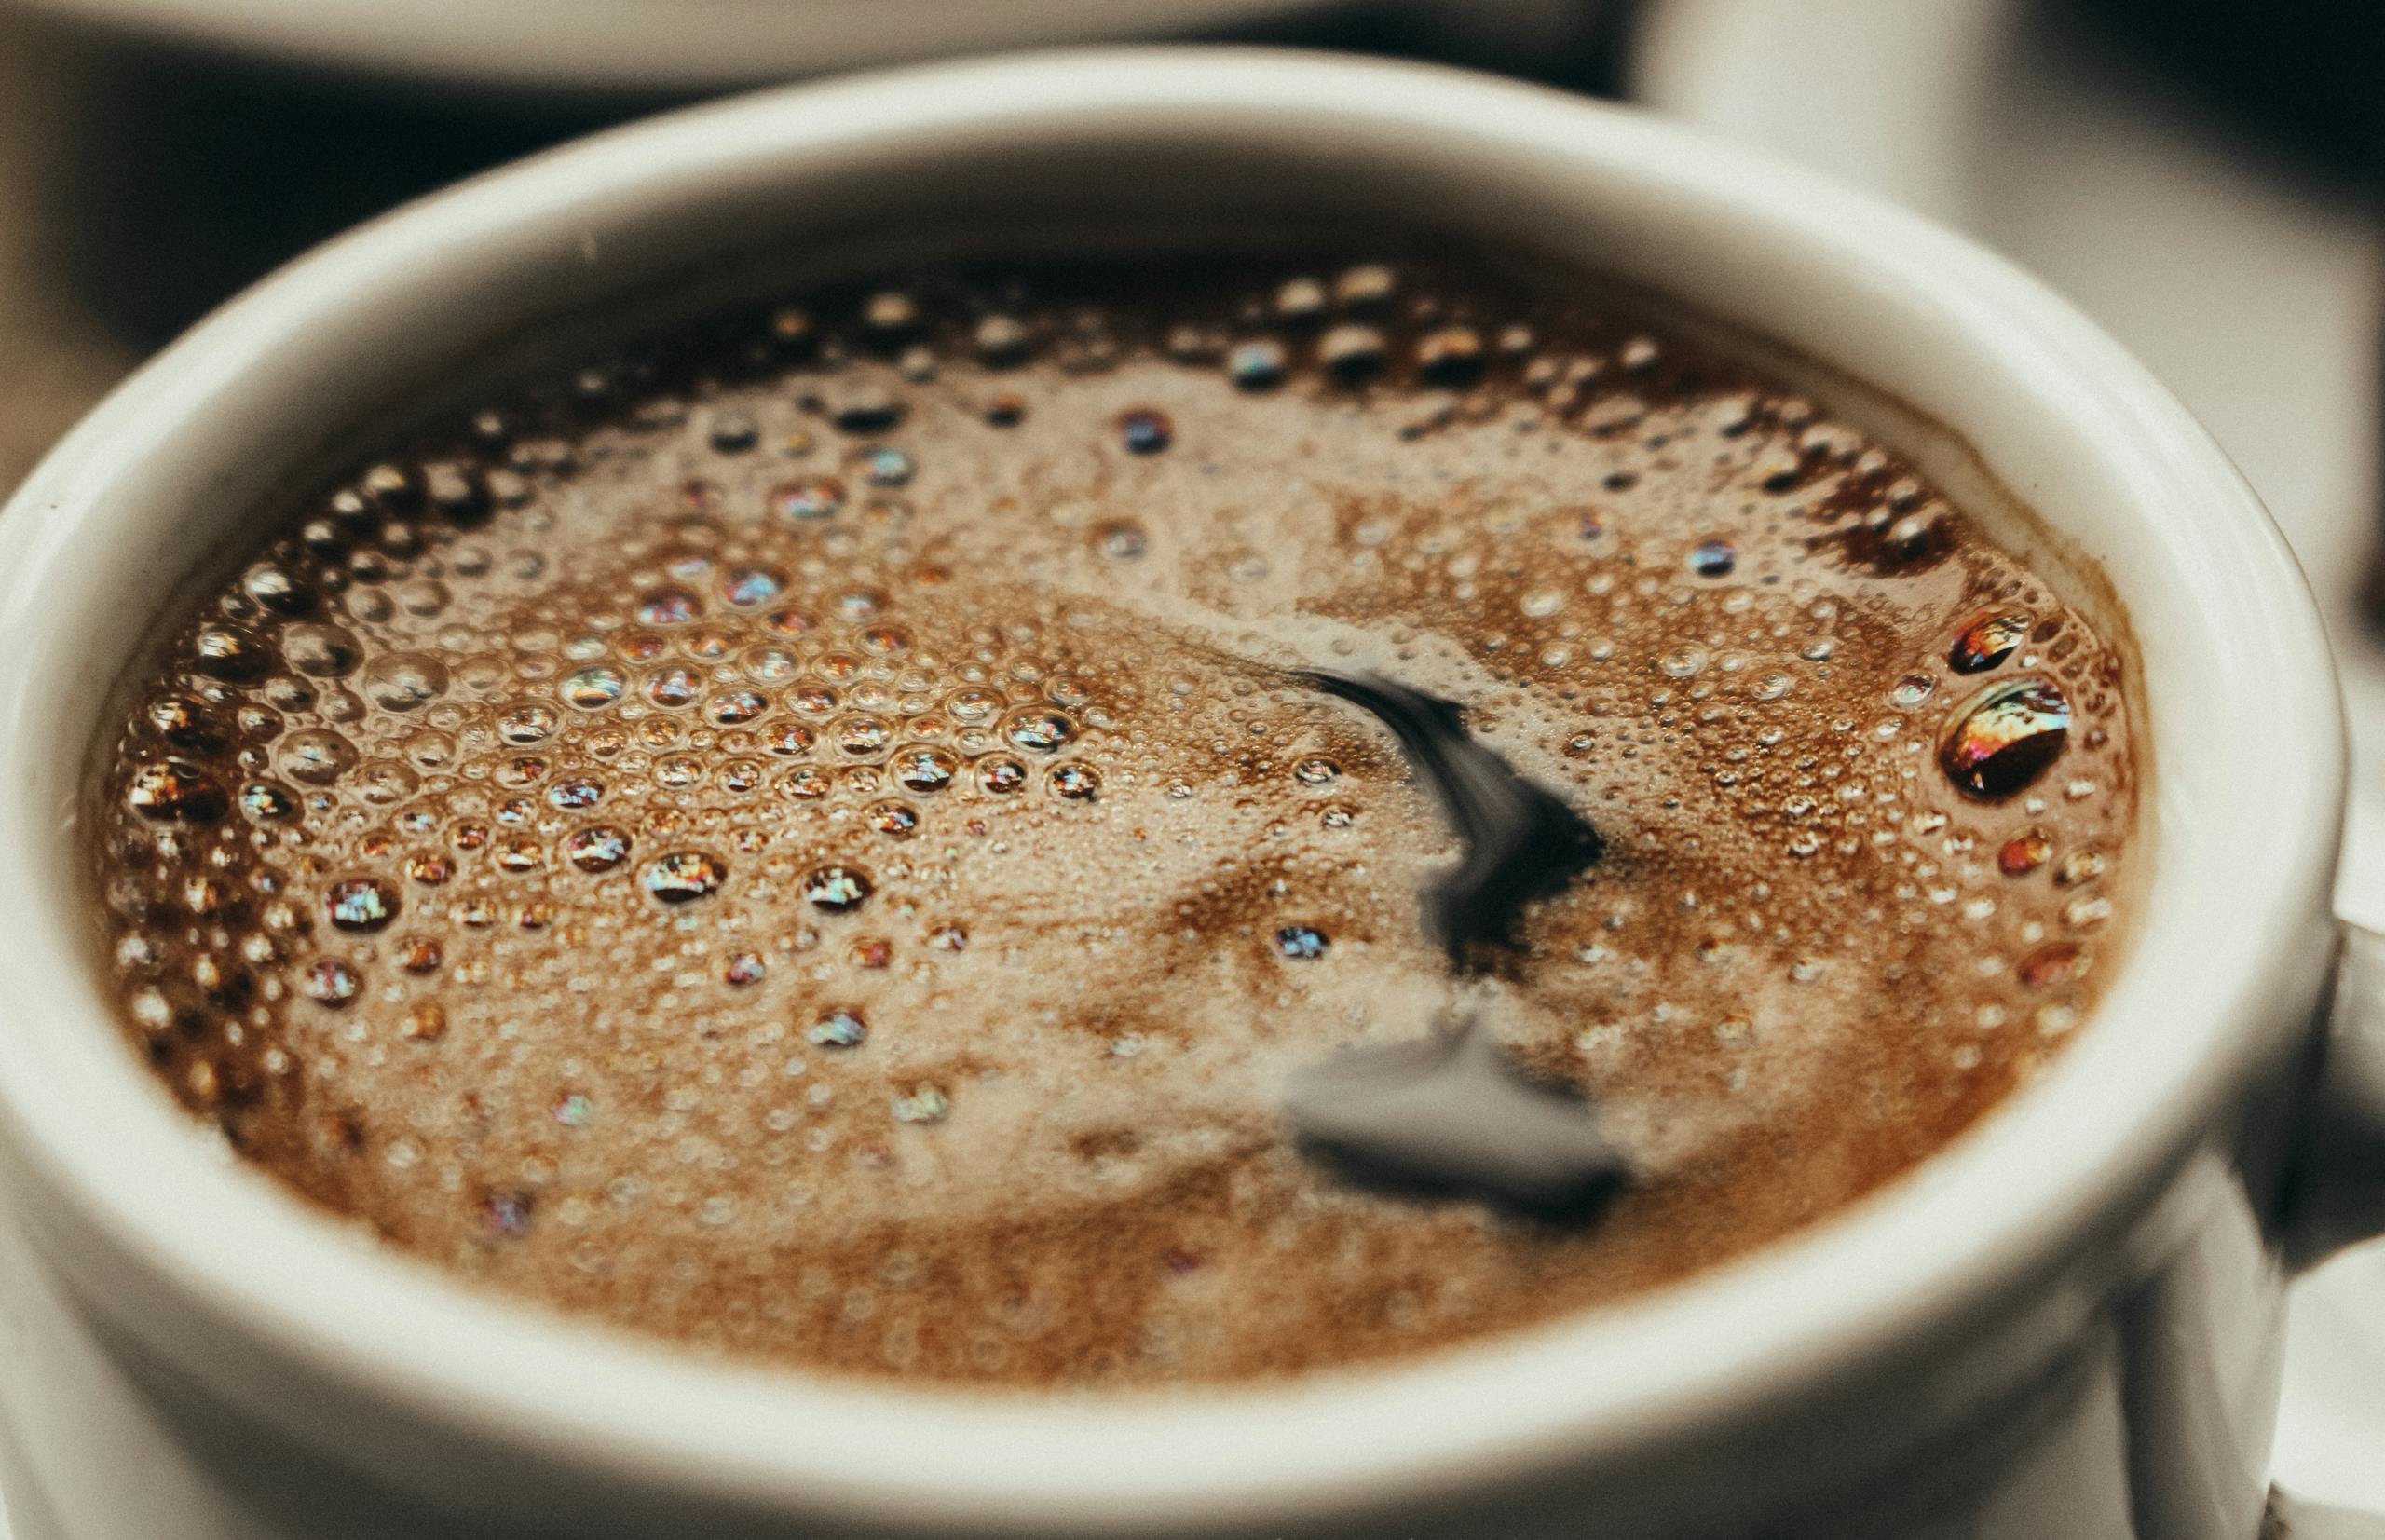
{"points": [[2074, 1311]]}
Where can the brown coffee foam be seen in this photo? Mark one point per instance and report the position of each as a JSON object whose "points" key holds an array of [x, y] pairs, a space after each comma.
{"points": [[1108, 1196]]}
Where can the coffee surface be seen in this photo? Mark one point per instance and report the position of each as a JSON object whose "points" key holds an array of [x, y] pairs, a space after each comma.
{"points": [[816, 836]]}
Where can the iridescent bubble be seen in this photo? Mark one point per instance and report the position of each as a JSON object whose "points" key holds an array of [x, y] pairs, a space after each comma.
{"points": [[919, 769], [1300, 942], [884, 641], [185, 723], [1039, 729], [888, 467], [1076, 782], [1001, 774], [175, 791], [268, 803], [806, 783], [1259, 364], [748, 586], [836, 889], [573, 796], [741, 970], [2004, 737], [1315, 771], [361, 904], [1145, 431], [1913, 690], [733, 706], [528, 723], [403, 681], [1713, 558], [809, 497], [837, 1029], [895, 820], [598, 848], [2023, 853], [668, 607], [1985, 641], [862, 734], [671, 686], [593, 688], [683, 875], [330, 983], [926, 1103]]}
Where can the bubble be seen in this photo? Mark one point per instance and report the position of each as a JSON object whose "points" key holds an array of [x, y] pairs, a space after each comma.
{"points": [[835, 889], [1353, 355], [1259, 364], [573, 1109], [895, 820], [506, 1216], [806, 783], [741, 970], [867, 407], [185, 723], [1367, 287], [573, 796], [425, 1022], [321, 651], [223, 653], [1686, 662], [2050, 964], [1039, 729], [1315, 771], [276, 590], [973, 705], [1075, 782], [857, 605], [671, 688], [314, 756], [361, 904], [175, 791], [1913, 690], [2023, 853], [404, 681], [683, 875], [888, 468], [926, 1103], [598, 848], [837, 1029], [268, 803], [862, 734], [949, 938], [2079, 866], [1713, 558], [527, 724], [1771, 687], [668, 607], [2004, 737], [1145, 431], [593, 688], [1001, 774], [747, 586], [330, 983], [1985, 641], [921, 768], [1302, 942], [733, 706], [1002, 342]]}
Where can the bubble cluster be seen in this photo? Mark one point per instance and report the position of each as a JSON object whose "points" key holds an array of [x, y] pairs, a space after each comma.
{"points": [[811, 834]]}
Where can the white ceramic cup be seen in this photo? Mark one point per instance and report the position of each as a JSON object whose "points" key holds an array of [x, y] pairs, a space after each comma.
{"points": [[2064, 1325]]}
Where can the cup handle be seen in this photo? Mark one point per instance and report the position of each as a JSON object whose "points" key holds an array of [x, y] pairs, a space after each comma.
{"points": [[2339, 1193]]}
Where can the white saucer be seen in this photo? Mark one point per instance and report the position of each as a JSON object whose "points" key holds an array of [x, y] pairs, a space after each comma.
{"points": [[643, 45]]}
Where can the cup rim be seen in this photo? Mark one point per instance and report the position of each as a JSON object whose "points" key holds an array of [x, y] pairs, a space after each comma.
{"points": [[101, 1155]]}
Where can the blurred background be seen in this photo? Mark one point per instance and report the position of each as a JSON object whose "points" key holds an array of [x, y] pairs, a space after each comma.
{"points": [[2203, 176]]}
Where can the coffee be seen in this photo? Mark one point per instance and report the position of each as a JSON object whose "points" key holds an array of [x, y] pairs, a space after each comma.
{"points": [[817, 837]]}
